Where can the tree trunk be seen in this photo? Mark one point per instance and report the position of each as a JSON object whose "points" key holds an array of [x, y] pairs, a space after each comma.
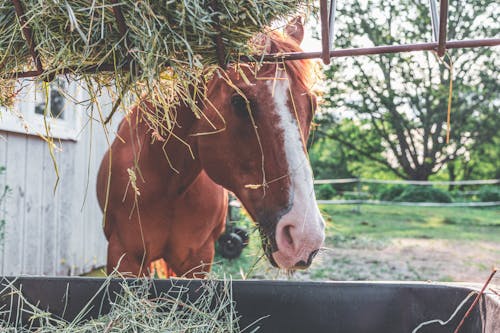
{"points": [[451, 175]]}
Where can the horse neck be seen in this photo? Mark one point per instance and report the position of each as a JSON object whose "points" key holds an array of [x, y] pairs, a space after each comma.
{"points": [[175, 156]]}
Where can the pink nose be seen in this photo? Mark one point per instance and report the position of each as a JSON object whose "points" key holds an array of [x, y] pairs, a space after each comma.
{"points": [[286, 237], [298, 243]]}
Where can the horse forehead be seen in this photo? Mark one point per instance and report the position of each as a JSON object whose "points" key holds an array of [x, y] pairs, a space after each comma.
{"points": [[260, 87]]}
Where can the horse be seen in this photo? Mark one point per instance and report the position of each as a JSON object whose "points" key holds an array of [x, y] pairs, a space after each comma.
{"points": [[167, 199]]}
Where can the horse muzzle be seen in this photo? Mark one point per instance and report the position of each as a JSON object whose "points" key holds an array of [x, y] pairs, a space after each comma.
{"points": [[298, 242]]}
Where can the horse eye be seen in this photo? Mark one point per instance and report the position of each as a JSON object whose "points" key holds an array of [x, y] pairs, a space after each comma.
{"points": [[239, 104]]}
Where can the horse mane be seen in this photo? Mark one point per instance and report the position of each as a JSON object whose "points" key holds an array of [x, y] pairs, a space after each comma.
{"points": [[276, 42]]}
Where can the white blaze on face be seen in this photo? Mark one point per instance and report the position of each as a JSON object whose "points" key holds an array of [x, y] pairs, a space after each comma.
{"points": [[300, 231]]}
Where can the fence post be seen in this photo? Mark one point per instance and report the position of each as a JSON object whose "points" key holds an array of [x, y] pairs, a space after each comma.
{"points": [[358, 190]]}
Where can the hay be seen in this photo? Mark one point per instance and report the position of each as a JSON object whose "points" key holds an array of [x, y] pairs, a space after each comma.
{"points": [[169, 47], [135, 309]]}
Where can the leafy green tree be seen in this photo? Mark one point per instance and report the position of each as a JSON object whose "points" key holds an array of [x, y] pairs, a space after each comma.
{"points": [[335, 157], [392, 109], [483, 161], [329, 159]]}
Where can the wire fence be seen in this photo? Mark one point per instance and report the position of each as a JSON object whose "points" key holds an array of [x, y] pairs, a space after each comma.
{"points": [[362, 191]]}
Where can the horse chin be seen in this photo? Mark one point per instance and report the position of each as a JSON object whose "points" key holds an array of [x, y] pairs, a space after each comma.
{"points": [[278, 262], [271, 260], [288, 271], [268, 247], [285, 263]]}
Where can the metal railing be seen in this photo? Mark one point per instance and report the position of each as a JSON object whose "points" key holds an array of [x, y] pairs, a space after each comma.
{"points": [[364, 196], [327, 15]]}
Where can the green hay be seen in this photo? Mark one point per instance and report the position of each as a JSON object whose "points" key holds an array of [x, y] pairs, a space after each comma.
{"points": [[170, 46]]}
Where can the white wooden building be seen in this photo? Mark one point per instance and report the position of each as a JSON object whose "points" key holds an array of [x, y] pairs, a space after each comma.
{"points": [[47, 232]]}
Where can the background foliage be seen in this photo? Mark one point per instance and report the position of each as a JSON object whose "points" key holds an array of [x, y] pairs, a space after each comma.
{"points": [[385, 115]]}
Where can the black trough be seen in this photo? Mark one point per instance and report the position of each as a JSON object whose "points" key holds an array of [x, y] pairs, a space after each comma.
{"points": [[297, 306]]}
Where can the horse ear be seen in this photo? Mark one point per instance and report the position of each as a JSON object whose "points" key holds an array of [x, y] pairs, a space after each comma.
{"points": [[295, 30]]}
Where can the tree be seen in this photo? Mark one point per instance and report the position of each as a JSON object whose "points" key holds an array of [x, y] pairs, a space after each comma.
{"points": [[392, 108], [337, 159]]}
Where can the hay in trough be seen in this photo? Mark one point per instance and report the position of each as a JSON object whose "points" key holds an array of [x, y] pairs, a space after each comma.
{"points": [[138, 307], [161, 48]]}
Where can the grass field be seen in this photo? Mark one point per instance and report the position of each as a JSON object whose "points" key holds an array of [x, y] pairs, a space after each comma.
{"points": [[385, 222], [392, 243], [388, 243]]}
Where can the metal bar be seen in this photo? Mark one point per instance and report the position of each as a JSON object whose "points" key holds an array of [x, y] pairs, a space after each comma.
{"points": [[376, 50], [68, 70], [336, 181], [220, 49], [358, 189], [331, 31], [120, 19], [325, 39], [434, 20], [28, 35], [299, 55], [476, 300], [408, 182], [219, 42], [412, 204], [443, 21], [123, 29]]}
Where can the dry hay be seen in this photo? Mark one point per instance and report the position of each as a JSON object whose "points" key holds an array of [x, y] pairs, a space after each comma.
{"points": [[169, 47], [135, 309]]}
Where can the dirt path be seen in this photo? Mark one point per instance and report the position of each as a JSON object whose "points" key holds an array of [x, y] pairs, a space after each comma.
{"points": [[408, 259]]}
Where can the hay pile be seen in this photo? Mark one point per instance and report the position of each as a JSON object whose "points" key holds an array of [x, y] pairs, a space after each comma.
{"points": [[168, 45], [135, 309]]}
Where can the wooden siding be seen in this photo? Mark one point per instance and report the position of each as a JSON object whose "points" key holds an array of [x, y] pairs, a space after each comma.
{"points": [[47, 232]]}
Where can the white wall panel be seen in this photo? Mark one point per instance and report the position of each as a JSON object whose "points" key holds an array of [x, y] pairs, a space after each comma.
{"points": [[52, 233]]}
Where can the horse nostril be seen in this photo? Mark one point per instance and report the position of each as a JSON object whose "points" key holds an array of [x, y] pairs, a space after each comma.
{"points": [[287, 238], [311, 257], [303, 264]]}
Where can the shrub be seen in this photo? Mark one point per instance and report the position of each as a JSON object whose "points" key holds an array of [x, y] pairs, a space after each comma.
{"points": [[325, 192], [423, 194], [488, 194], [391, 193]]}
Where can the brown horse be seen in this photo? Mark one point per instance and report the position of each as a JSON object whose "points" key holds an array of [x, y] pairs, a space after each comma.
{"points": [[176, 207]]}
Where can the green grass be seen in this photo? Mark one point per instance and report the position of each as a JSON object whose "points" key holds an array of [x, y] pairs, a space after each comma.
{"points": [[372, 228], [380, 223], [252, 262]]}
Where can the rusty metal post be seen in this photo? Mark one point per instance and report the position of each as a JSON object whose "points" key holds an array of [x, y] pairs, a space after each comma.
{"points": [[221, 50], [470, 43], [120, 19], [443, 22], [28, 35], [384, 49], [123, 30], [434, 20], [358, 190], [331, 30], [325, 39]]}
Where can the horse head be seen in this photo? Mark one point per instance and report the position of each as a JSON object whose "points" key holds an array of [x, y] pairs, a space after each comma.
{"points": [[263, 113]]}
